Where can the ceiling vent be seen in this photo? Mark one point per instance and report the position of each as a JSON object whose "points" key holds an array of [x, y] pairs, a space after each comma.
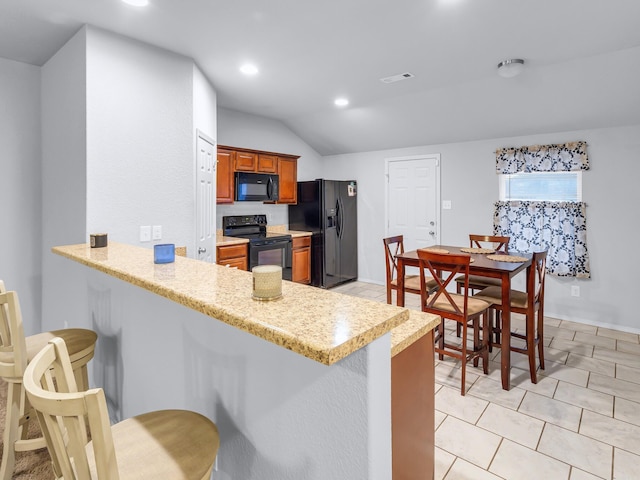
{"points": [[397, 78]]}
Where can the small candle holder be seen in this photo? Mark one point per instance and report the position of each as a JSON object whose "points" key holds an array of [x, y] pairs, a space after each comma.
{"points": [[267, 282], [164, 253], [98, 240]]}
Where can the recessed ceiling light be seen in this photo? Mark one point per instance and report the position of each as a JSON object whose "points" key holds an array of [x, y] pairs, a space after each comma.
{"points": [[341, 102], [249, 69], [137, 3]]}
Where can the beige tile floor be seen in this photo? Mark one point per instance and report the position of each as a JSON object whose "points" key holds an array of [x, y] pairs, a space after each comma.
{"points": [[580, 421]]}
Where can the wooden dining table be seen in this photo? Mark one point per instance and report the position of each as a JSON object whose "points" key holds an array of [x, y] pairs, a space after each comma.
{"points": [[485, 267]]}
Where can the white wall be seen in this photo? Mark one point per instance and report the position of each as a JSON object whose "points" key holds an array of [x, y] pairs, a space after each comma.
{"points": [[469, 181], [119, 125], [238, 129], [21, 186], [64, 178], [140, 153]]}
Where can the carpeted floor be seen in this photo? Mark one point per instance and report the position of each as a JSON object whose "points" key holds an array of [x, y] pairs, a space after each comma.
{"points": [[29, 465]]}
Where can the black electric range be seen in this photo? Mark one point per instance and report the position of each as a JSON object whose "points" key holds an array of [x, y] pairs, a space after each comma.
{"points": [[265, 248]]}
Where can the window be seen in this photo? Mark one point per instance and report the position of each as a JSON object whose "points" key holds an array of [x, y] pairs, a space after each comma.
{"points": [[541, 186], [541, 206]]}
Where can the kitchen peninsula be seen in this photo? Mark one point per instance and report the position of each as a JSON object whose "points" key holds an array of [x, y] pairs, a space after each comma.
{"points": [[307, 395]]}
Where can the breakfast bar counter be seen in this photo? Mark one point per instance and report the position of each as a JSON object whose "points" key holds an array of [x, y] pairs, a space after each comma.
{"points": [[300, 387], [319, 324]]}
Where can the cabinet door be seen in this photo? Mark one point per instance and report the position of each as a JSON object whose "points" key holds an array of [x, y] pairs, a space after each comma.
{"points": [[245, 161], [301, 265], [224, 176], [288, 172], [301, 260], [267, 163]]}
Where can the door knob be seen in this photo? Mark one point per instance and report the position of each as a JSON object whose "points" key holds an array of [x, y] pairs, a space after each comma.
{"points": [[432, 232], [201, 250]]}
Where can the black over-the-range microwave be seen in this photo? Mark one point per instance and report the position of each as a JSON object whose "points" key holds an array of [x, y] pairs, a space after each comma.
{"points": [[256, 187]]}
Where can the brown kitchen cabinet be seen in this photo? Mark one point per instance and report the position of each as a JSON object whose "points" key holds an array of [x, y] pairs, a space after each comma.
{"points": [[255, 162], [224, 176], [234, 159], [288, 172], [245, 161], [233, 255], [301, 260]]}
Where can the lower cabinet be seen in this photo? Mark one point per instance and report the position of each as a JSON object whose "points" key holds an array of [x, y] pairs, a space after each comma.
{"points": [[233, 255], [301, 260]]}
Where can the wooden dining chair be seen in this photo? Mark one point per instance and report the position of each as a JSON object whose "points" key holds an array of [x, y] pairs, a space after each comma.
{"points": [[175, 444], [527, 303], [16, 352], [495, 243], [461, 308], [394, 246]]}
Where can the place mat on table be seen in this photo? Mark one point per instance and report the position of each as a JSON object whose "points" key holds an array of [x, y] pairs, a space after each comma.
{"points": [[507, 258], [435, 250], [477, 250]]}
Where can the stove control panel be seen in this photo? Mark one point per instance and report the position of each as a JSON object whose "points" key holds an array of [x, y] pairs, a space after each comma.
{"points": [[244, 220]]}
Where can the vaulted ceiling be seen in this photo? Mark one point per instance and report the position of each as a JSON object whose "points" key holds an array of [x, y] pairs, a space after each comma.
{"points": [[582, 61]]}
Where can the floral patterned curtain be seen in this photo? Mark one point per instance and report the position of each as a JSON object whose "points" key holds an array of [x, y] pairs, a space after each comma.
{"points": [[543, 158], [559, 227]]}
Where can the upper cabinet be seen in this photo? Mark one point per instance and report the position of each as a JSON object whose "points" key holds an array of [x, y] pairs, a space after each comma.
{"points": [[233, 159], [288, 171], [224, 180]]}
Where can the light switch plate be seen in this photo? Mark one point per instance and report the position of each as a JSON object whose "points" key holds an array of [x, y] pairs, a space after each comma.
{"points": [[145, 233], [446, 204]]}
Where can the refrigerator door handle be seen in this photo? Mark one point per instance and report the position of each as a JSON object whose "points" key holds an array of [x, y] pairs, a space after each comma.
{"points": [[339, 217]]}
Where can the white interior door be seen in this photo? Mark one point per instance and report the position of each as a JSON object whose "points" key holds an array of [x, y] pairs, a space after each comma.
{"points": [[413, 200], [205, 198]]}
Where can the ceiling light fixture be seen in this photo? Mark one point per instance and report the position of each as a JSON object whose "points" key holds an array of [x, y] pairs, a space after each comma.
{"points": [[510, 68], [137, 3], [341, 102], [249, 69]]}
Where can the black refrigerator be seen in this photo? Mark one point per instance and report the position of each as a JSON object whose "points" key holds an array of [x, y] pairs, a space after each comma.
{"points": [[328, 209]]}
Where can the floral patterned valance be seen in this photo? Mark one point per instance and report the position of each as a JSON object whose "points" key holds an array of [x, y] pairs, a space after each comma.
{"points": [[563, 157]]}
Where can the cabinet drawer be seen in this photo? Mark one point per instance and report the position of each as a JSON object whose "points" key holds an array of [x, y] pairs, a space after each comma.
{"points": [[239, 263], [232, 251], [300, 242]]}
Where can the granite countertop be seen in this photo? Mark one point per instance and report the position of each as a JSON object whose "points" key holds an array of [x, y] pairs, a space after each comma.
{"points": [[322, 325], [221, 241]]}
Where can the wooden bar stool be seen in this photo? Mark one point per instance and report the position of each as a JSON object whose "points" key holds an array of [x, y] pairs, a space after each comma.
{"points": [[166, 444], [16, 352]]}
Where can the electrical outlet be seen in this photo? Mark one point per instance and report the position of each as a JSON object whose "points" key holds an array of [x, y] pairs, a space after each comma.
{"points": [[575, 291], [157, 232], [145, 233], [446, 204]]}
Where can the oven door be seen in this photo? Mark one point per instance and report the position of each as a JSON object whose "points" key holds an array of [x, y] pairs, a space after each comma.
{"points": [[271, 252]]}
